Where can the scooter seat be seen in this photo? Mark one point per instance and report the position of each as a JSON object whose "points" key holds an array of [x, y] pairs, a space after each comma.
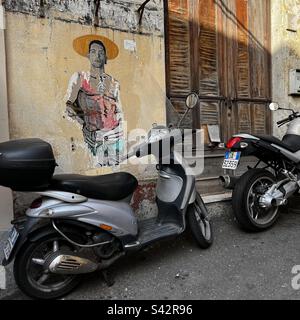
{"points": [[289, 142], [112, 187]]}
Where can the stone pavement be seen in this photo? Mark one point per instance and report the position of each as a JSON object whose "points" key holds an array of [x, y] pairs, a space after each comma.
{"points": [[239, 265]]}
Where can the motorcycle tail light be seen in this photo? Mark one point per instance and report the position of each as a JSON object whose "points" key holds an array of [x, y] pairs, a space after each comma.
{"points": [[36, 203], [232, 142]]}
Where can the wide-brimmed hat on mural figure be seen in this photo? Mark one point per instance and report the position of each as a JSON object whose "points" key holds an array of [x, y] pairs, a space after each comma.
{"points": [[81, 45]]}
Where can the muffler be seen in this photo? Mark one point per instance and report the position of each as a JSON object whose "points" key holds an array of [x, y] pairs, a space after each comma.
{"points": [[228, 182], [70, 264]]}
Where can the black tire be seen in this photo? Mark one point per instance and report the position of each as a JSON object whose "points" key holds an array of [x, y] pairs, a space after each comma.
{"points": [[199, 224], [26, 283], [245, 201]]}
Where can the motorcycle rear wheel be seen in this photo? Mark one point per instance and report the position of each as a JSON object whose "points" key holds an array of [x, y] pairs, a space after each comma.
{"points": [[245, 201]]}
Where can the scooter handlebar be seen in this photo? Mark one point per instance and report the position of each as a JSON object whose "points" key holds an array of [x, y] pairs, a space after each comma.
{"points": [[284, 121], [288, 119]]}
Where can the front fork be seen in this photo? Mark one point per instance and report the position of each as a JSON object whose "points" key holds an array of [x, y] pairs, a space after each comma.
{"points": [[201, 205]]}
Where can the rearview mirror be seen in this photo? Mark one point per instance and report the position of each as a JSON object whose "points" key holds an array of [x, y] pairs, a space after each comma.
{"points": [[192, 100], [274, 106]]}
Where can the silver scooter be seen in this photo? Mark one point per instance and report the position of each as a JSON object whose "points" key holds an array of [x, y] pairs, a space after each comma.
{"points": [[81, 224]]}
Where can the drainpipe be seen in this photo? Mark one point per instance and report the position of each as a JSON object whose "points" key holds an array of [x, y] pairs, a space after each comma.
{"points": [[6, 202]]}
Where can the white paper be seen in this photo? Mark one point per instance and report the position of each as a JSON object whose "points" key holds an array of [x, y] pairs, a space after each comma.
{"points": [[214, 133], [130, 45]]}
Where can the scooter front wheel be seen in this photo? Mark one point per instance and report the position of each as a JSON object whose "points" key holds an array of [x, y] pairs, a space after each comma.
{"points": [[199, 223]]}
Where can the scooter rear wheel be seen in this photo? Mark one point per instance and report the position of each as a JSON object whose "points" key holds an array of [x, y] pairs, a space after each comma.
{"points": [[31, 276], [199, 223]]}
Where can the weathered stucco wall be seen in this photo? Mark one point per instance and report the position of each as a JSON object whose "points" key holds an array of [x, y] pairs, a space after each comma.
{"points": [[285, 54], [115, 14], [41, 60]]}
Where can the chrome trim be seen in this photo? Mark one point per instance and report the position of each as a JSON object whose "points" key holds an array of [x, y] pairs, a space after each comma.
{"points": [[132, 245], [78, 244], [69, 264], [164, 176], [245, 136], [63, 196]]}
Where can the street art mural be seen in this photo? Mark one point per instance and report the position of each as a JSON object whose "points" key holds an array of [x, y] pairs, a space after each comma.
{"points": [[93, 99]]}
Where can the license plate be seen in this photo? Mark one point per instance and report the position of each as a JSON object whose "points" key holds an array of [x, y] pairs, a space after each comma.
{"points": [[231, 160], [10, 243]]}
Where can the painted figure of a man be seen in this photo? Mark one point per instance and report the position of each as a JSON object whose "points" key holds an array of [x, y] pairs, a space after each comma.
{"points": [[93, 99]]}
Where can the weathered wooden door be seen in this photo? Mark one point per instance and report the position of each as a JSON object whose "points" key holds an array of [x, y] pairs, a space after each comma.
{"points": [[220, 49]]}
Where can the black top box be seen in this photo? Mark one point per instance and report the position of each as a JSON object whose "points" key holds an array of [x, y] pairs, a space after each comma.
{"points": [[26, 164]]}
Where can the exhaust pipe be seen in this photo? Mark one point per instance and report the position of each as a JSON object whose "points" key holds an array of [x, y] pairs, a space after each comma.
{"points": [[228, 182]]}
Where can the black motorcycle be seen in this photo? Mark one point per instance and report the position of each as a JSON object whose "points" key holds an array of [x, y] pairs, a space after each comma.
{"points": [[261, 191]]}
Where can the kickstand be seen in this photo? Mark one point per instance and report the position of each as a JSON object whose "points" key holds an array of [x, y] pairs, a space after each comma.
{"points": [[108, 278]]}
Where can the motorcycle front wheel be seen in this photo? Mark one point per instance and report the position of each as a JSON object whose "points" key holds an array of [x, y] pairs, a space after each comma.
{"points": [[199, 223], [245, 201], [32, 275]]}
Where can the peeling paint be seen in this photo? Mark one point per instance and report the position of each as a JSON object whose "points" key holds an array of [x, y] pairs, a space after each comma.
{"points": [[119, 15], [143, 200]]}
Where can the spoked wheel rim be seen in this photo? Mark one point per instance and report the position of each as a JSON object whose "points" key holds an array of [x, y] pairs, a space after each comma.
{"points": [[37, 272], [260, 216], [203, 223]]}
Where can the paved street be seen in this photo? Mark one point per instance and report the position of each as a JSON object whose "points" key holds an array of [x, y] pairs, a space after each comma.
{"points": [[238, 266]]}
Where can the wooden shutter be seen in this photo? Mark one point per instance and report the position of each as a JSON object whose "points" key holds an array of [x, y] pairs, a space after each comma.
{"points": [[259, 27], [220, 48], [178, 59], [179, 48], [208, 65], [242, 57], [248, 65]]}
